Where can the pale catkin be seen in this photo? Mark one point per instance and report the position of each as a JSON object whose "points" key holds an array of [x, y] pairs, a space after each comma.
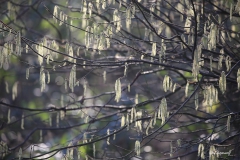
{"points": [[114, 136], [26, 48], [50, 120], [171, 149], [20, 152], [222, 82], [127, 122], [138, 147], [18, 44], [9, 116], [62, 115], [231, 11], [179, 141], [125, 69], [228, 63], [6, 88], [90, 7], [40, 51], [94, 150], [154, 48], [129, 87], [108, 139], [238, 75], [133, 114], [228, 123], [86, 119], [163, 114], [85, 140], [212, 153], [136, 99], [128, 18], [48, 58], [118, 90], [48, 77], [174, 87], [72, 78], [123, 121], [85, 87], [139, 122], [22, 122], [211, 59], [41, 135], [196, 101], [27, 73], [154, 118], [104, 76], [186, 89], [57, 119], [15, 90], [55, 14], [220, 59], [201, 151], [165, 83], [42, 79]]}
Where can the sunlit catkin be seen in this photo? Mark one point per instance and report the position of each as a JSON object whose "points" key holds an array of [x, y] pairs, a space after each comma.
{"points": [[186, 89], [15, 90], [104, 4], [55, 14], [123, 121], [108, 139], [133, 114], [154, 48], [201, 151], [138, 147], [48, 77], [136, 99], [238, 77], [90, 7], [139, 122], [72, 78], [57, 119], [118, 90], [212, 153]]}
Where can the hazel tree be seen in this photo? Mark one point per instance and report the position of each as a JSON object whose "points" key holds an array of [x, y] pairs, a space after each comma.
{"points": [[119, 79]]}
